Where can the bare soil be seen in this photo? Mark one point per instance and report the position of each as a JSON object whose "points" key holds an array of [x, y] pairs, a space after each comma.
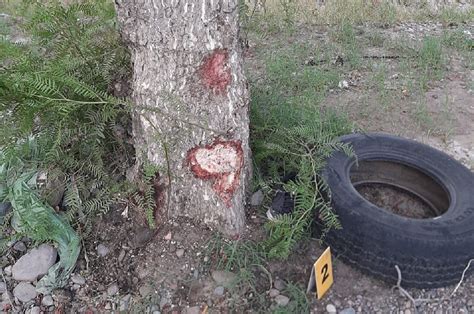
{"points": [[147, 265]]}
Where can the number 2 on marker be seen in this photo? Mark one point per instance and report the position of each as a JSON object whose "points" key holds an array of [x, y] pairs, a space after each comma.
{"points": [[323, 272]]}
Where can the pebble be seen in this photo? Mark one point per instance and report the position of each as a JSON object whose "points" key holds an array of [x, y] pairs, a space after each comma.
{"points": [[102, 250], [35, 310], [121, 256], [78, 279], [19, 246], [47, 300], [124, 303], [112, 289], [35, 263], [8, 270], [273, 293], [330, 308], [180, 252], [24, 292], [167, 237], [349, 310], [279, 284], [282, 300], [7, 296], [192, 310], [257, 198], [143, 236], [222, 277], [145, 290], [3, 287], [219, 290]]}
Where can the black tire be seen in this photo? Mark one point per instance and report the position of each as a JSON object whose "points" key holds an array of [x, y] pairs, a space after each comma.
{"points": [[430, 252]]}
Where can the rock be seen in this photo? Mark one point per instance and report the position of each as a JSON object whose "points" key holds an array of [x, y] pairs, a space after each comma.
{"points": [[143, 236], [273, 293], [24, 292], [349, 310], [121, 256], [3, 287], [180, 252], [193, 310], [343, 84], [219, 290], [19, 246], [257, 198], [5, 208], [7, 296], [282, 300], [47, 300], [112, 289], [279, 284], [145, 290], [223, 277], [165, 300], [124, 303], [78, 279], [35, 263], [167, 237], [8, 270], [330, 308], [102, 250], [35, 310]]}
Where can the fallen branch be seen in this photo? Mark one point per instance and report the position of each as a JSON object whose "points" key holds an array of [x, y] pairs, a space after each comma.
{"points": [[416, 302]]}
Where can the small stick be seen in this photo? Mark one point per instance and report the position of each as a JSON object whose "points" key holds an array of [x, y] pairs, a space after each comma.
{"points": [[418, 301]]}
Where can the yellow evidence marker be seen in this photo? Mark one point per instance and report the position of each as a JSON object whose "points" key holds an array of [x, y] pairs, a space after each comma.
{"points": [[321, 274]]}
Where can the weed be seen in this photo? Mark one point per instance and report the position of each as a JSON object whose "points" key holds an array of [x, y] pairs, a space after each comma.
{"points": [[58, 86], [291, 134], [246, 259], [452, 16], [345, 35], [299, 302]]}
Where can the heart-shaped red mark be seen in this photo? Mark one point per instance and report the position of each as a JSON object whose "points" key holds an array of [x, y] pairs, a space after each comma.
{"points": [[221, 162]]}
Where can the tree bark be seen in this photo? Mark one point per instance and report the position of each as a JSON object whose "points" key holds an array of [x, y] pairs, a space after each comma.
{"points": [[191, 114]]}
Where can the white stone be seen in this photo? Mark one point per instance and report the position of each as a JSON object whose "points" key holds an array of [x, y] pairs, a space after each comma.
{"points": [[282, 300], [273, 293], [102, 250], [257, 198], [47, 300], [330, 308], [24, 292], [35, 263], [222, 277]]}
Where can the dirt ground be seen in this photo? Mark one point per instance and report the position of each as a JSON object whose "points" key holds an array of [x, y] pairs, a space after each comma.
{"points": [[169, 270]]}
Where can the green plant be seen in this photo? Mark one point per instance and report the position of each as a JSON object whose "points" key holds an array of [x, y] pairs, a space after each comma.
{"points": [[299, 302], [292, 134], [59, 87], [247, 260], [31, 217]]}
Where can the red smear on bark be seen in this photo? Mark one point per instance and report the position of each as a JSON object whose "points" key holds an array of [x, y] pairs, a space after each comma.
{"points": [[220, 162], [215, 73]]}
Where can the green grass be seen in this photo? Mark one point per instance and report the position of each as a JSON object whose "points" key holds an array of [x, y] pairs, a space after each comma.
{"points": [[299, 302]]}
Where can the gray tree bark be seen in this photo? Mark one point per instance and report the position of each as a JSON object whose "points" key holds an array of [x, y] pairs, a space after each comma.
{"points": [[191, 101]]}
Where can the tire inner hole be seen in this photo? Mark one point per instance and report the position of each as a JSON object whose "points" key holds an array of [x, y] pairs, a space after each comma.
{"points": [[399, 188]]}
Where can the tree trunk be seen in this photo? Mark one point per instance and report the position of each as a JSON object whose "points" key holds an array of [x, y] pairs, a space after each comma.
{"points": [[191, 106]]}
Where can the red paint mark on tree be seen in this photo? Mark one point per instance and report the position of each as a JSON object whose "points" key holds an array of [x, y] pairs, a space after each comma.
{"points": [[220, 162], [215, 72]]}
